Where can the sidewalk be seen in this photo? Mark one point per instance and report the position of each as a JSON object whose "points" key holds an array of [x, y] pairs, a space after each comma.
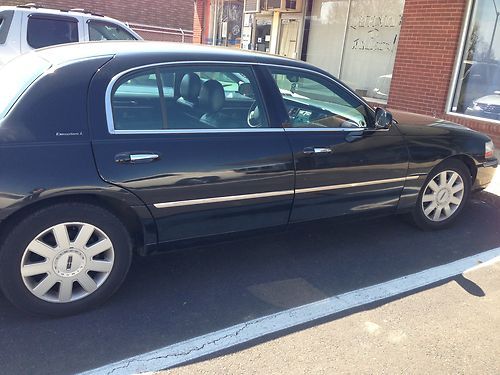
{"points": [[446, 329]]}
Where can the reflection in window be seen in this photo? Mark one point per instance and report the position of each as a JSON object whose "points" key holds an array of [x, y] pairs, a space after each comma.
{"points": [[364, 34], [478, 87]]}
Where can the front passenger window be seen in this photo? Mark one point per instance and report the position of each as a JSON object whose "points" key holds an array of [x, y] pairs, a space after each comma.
{"points": [[313, 102]]}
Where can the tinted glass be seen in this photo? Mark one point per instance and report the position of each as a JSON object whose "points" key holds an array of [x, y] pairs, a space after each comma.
{"points": [[43, 32], [136, 103], [5, 21], [107, 31], [188, 98], [17, 76], [314, 102]]}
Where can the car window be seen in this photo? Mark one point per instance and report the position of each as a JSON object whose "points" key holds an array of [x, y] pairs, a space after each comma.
{"points": [[315, 102], [5, 21], [176, 98], [100, 30], [17, 76], [48, 31]]}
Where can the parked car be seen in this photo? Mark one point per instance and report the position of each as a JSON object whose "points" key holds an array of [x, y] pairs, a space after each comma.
{"points": [[91, 173], [479, 79], [487, 106], [383, 87], [27, 27]]}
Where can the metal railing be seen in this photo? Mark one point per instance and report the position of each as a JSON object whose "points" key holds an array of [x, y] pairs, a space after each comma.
{"points": [[162, 30]]}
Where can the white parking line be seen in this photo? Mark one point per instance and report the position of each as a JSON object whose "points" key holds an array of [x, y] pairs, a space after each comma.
{"points": [[215, 341]]}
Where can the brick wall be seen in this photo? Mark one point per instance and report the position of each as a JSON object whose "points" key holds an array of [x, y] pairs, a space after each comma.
{"points": [[201, 21], [425, 59], [163, 13]]}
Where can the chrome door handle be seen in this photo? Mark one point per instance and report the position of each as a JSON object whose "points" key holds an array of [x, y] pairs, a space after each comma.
{"points": [[317, 150], [140, 157]]}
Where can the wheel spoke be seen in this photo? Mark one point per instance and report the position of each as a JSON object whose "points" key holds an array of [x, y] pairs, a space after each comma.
{"points": [[428, 198], [61, 235], [100, 266], [35, 269], [447, 210], [41, 249], [453, 178], [457, 188], [99, 247], [442, 178], [87, 282], [434, 187], [65, 290], [44, 286], [437, 213], [430, 208], [455, 200], [83, 236]]}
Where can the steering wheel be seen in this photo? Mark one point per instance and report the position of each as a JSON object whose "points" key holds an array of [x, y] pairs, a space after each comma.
{"points": [[253, 117]]}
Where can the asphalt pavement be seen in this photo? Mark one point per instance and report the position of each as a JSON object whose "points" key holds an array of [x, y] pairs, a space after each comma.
{"points": [[448, 329], [173, 297]]}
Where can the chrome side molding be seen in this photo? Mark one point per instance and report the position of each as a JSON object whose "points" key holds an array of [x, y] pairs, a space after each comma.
{"points": [[229, 198]]}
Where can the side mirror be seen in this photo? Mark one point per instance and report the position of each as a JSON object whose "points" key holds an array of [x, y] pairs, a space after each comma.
{"points": [[383, 118]]}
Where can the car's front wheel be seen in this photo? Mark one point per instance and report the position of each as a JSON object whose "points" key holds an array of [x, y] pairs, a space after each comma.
{"points": [[64, 259], [443, 195]]}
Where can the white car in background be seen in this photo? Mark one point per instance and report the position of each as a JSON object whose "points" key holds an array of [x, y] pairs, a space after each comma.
{"points": [[383, 86], [27, 27], [487, 106]]}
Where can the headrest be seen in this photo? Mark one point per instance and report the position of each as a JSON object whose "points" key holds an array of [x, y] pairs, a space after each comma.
{"points": [[212, 96], [190, 86]]}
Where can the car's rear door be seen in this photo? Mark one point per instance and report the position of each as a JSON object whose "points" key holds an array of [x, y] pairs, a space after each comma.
{"points": [[343, 164], [193, 159]]}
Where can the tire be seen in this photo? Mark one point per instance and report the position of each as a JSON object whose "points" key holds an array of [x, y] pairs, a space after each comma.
{"points": [[54, 246], [448, 199]]}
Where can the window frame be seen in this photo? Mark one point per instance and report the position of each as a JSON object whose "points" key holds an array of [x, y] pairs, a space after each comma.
{"points": [[53, 17], [111, 88], [91, 20], [335, 87], [455, 76]]}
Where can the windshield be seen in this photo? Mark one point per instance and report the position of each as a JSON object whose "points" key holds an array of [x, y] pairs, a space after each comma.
{"points": [[17, 76]]}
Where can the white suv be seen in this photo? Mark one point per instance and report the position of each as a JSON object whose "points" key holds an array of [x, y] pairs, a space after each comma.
{"points": [[28, 27]]}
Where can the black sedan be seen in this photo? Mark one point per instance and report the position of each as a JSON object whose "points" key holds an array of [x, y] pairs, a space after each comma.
{"points": [[107, 149]]}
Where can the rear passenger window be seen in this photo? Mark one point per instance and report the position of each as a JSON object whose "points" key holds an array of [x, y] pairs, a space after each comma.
{"points": [[46, 31], [136, 103], [188, 98]]}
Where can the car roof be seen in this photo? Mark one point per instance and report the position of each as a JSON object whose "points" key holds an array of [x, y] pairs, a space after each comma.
{"points": [[76, 12], [167, 51]]}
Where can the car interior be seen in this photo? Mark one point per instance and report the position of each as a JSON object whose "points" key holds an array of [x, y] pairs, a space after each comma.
{"points": [[191, 100]]}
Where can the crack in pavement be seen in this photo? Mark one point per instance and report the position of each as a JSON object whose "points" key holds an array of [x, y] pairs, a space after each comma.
{"points": [[183, 354]]}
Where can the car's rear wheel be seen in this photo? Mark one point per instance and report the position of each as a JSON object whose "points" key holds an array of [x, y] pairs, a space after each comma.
{"points": [[443, 195], [64, 259]]}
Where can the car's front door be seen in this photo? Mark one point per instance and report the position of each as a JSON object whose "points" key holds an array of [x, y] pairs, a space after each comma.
{"points": [[194, 142], [343, 164]]}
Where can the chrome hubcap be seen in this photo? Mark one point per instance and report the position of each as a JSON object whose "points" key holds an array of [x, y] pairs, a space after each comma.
{"points": [[67, 262], [443, 195]]}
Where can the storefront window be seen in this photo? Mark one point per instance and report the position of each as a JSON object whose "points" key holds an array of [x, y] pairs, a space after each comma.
{"points": [[477, 90], [356, 40]]}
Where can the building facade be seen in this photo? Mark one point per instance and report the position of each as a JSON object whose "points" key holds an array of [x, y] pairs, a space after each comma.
{"points": [[166, 20], [438, 58]]}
